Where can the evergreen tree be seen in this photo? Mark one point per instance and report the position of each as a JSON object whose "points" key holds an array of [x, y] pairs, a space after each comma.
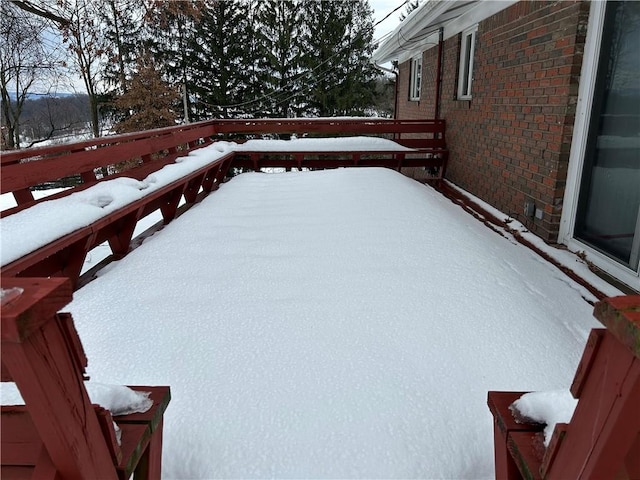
{"points": [[173, 32], [338, 44], [124, 31], [279, 51], [222, 62]]}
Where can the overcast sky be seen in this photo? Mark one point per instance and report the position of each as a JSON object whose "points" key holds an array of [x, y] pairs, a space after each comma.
{"points": [[380, 10]]}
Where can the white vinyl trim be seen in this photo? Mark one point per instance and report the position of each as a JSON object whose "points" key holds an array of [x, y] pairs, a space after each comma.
{"points": [[465, 71], [583, 116], [415, 78], [605, 263]]}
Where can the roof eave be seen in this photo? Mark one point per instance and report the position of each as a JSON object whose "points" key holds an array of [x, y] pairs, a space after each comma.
{"points": [[392, 47], [420, 32]]}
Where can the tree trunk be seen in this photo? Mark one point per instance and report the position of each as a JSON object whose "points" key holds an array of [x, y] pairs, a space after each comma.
{"points": [[93, 109]]}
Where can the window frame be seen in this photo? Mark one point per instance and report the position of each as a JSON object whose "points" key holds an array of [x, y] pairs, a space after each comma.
{"points": [[465, 67], [415, 78]]}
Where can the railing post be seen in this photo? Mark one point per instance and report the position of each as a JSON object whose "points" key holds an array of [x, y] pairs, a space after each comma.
{"points": [[23, 196], [602, 440], [602, 435], [36, 351]]}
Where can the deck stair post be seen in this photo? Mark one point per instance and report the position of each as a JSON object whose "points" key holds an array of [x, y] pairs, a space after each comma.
{"points": [[58, 433], [602, 440], [31, 338]]}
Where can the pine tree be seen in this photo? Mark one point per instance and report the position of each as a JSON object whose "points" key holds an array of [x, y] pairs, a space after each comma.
{"points": [[222, 59], [124, 29], [172, 35], [337, 43], [279, 49]]}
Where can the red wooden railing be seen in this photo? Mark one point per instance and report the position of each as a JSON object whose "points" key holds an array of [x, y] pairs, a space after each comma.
{"points": [[58, 433], [146, 152], [607, 383], [602, 440]]}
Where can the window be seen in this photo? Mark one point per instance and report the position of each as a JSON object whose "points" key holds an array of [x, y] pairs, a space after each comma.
{"points": [[415, 78], [465, 75]]}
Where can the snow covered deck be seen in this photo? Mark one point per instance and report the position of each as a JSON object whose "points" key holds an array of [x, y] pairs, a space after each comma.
{"points": [[342, 323], [53, 237]]}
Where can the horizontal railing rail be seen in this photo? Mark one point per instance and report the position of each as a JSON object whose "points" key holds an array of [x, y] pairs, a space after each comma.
{"points": [[418, 143], [84, 157], [14, 156]]}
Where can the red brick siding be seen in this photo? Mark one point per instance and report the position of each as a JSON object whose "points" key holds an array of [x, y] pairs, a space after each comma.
{"points": [[425, 107], [510, 142]]}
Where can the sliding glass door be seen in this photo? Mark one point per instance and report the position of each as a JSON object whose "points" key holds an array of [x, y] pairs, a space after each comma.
{"points": [[608, 212]]}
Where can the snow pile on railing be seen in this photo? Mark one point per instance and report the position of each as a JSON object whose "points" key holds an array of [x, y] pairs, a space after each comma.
{"points": [[548, 408], [45, 222], [118, 399]]}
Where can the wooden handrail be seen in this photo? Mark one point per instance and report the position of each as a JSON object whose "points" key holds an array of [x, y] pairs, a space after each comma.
{"points": [[25, 169], [226, 126], [152, 150], [14, 156]]}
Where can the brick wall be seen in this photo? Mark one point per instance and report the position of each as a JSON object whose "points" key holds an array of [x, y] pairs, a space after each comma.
{"points": [[510, 143], [425, 107]]}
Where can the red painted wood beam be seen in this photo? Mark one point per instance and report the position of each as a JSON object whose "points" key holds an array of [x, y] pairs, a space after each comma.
{"points": [[182, 133], [504, 426], [210, 178], [150, 464], [36, 353], [122, 233], [20, 265], [21, 443], [138, 173], [169, 205], [330, 126], [193, 188], [606, 421], [65, 256], [23, 196]]}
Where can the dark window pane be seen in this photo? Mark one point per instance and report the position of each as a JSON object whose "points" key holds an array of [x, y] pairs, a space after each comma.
{"points": [[609, 204]]}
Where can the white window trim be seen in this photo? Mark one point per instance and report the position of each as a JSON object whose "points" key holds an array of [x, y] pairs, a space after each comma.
{"points": [[577, 153], [415, 78], [465, 70]]}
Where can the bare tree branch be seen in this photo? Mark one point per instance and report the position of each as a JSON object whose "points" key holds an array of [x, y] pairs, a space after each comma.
{"points": [[27, 6]]}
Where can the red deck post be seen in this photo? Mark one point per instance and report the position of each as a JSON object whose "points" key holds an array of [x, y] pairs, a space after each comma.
{"points": [[37, 355], [606, 423], [150, 465], [504, 426], [602, 439]]}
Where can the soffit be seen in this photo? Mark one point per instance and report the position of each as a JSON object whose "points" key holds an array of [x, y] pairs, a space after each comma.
{"points": [[420, 31]]}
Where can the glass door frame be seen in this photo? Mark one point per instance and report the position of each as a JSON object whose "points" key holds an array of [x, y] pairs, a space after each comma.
{"points": [[586, 91]]}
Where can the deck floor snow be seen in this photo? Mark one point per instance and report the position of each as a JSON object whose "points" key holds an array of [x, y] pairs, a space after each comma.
{"points": [[333, 324]]}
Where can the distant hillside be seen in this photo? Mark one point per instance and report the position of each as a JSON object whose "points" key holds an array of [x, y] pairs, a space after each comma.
{"points": [[36, 96], [48, 117]]}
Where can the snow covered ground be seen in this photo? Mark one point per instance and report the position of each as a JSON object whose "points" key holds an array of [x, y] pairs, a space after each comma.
{"points": [[343, 323]]}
